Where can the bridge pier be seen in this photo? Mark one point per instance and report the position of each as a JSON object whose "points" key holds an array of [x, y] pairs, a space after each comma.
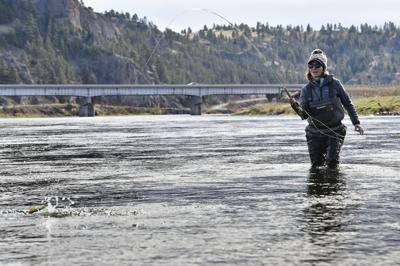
{"points": [[271, 97], [195, 105], [86, 107]]}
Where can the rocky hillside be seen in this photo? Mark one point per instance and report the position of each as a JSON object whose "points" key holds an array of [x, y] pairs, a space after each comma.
{"points": [[63, 41]]}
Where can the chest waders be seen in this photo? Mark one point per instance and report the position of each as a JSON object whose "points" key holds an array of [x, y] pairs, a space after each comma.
{"points": [[323, 145], [328, 111]]}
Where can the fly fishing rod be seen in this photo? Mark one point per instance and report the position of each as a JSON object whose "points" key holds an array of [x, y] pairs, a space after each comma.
{"points": [[295, 105]]}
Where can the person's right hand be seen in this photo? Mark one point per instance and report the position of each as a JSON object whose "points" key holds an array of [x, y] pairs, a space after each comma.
{"points": [[359, 129]]}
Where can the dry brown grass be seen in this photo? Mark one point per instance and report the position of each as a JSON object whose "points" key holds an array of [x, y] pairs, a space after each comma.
{"points": [[362, 91]]}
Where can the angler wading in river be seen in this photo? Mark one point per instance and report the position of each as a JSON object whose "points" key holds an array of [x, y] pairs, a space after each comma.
{"points": [[321, 103]]}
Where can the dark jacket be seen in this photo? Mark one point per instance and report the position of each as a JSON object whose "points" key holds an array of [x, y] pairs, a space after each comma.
{"points": [[327, 90]]}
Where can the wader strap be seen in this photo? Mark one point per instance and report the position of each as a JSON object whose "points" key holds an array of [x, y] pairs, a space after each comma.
{"points": [[309, 92], [331, 90]]}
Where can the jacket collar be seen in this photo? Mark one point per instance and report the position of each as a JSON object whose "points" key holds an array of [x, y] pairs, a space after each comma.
{"points": [[326, 79]]}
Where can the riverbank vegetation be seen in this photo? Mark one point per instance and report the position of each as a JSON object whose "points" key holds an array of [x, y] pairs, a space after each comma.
{"points": [[62, 110], [365, 106]]}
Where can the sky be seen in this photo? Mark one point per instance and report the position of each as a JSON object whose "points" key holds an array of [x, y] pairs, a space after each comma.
{"points": [[181, 14]]}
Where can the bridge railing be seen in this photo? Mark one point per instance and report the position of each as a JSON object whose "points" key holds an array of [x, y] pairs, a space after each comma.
{"points": [[93, 90], [196, 91]]}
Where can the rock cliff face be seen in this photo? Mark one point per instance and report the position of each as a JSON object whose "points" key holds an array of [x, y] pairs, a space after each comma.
{"points": [[71, 36], [59, 9], [119, 68], [72, 12], [99, 25]]}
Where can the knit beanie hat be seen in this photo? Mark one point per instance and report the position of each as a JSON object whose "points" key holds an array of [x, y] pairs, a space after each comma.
{"points": [[318, 55]]}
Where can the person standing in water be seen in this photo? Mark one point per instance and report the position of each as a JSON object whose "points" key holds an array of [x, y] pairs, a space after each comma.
{"points": [[321, 102]]}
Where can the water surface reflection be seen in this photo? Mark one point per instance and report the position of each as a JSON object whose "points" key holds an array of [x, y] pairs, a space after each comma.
{"points": [[325, 216]]}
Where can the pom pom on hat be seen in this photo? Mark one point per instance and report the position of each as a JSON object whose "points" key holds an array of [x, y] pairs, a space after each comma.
{"points": [[318, 55]]}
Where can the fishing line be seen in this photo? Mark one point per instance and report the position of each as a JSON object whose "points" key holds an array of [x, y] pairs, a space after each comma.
{"points": [[260, 55], [339, 136], [302, 110], [158, 40], [214, 13]]}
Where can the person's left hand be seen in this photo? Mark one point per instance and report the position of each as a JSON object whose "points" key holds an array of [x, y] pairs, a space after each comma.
{"points": [[359, 129]]}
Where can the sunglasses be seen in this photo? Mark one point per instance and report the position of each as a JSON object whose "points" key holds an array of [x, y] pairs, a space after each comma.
{"points": [[315, 65]]}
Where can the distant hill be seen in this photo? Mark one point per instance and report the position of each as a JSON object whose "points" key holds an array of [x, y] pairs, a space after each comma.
{"points": [[63, 41]]}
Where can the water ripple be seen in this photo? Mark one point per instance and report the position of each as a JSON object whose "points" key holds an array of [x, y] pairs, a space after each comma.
{"points": [[182, 190]]}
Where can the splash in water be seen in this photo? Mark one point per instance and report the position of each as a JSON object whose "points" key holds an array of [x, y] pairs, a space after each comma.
{"points": [[51, 207]]}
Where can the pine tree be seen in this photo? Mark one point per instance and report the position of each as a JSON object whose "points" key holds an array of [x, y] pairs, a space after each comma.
{"points": [[88, 76]]}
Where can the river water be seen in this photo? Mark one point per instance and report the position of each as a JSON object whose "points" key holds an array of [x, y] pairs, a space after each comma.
{"points": [[185, 190]]}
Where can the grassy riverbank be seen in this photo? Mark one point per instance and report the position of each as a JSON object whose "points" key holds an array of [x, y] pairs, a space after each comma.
{"points": [[372, 105], [37, 110], [61, 110], [365, 106]]}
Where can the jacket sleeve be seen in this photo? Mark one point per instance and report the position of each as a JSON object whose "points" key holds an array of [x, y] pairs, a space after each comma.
{"points": [[303, 102], [347, 103]]}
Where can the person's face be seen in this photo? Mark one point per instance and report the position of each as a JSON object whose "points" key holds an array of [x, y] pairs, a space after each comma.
{"points": [[316, 69]]}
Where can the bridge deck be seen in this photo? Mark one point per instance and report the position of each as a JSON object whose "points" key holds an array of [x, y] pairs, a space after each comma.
{"points": [[93, 90]]}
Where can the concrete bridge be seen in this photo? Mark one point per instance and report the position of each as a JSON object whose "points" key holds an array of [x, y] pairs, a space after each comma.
{"points": [[196, 91]]}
